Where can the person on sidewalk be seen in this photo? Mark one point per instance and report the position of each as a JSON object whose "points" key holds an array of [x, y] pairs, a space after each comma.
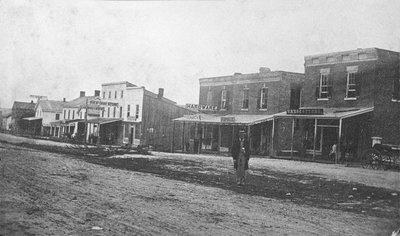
{"points": [[241, 155]]}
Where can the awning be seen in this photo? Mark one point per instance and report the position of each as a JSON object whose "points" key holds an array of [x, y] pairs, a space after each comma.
{"points": [[236, 119], [328, 113], [32, 118], [102, 121]]}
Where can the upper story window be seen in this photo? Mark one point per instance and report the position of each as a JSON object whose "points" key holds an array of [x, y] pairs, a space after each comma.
{"points": [[109, 94], [324, 88], [362, 56], [104, 95], [330, 59], [224, 99], [315, 60], [65, 112], [115, 94], [345, 57], [264, 98], [122, 93], [69, 111], [57, 116], [120, 112], [73, 114], [352, 85], [108, 111], [209, 97], [137, 111], [245, 98], [114, 112], [128, 110]]}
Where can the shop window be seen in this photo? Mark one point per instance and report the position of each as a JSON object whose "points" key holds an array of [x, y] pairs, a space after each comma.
{"points": [[137, 112], [245, 98], [128, 111], [209, 97], [264, 98], [224, 99], [57, 116]]}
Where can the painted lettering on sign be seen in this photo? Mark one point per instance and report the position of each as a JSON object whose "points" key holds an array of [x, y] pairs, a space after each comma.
{"points": [[303, 111], [96, 102], [228, 119], [202, 107]]}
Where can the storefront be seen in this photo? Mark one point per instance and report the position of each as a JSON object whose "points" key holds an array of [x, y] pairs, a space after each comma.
{"points": [[213, 133], [312, 133]]}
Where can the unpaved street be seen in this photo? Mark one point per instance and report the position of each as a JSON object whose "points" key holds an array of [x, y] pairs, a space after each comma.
{"points": [[173, 194]]}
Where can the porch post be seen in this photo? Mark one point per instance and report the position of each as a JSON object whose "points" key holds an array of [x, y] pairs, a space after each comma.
{"points": [[219, 137], [315, 137], [196, 130], [98, 135], [249, 137], [173, 139], [338, 153], [291, 144], [183, 137], [272, 137]]}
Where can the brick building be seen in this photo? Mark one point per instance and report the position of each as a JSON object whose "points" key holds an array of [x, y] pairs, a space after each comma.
{"points": [[241, 101], [349, 96]]}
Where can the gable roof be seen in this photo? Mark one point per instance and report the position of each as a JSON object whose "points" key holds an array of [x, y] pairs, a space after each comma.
{"points": [[24, 105], [51, 105]]}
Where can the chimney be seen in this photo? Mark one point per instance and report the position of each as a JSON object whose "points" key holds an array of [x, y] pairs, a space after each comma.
{"points": [[160, 92], [96, 93], [82, 94], [64, 100]]}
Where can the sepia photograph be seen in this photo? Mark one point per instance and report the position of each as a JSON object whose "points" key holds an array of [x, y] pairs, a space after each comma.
{"points": [[200, 117]]}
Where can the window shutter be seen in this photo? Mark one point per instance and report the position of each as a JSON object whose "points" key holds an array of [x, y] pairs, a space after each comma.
{"points": [[316, 85], [358, 84], [228, 102], [330, 86]]}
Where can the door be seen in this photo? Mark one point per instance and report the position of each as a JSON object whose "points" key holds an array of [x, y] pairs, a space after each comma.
{"points": [[132, 134]]}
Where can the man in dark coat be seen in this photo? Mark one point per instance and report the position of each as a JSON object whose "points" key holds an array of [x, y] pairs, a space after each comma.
{"points": [[241, 146]]}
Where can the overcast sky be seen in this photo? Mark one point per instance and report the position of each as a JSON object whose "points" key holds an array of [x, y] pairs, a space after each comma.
{"points": [[58, 48]]}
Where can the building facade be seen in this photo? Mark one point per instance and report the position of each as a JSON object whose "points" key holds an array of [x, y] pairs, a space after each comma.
{"points": [[19, 112], [350, 96], [242, 101], [48, 111]]}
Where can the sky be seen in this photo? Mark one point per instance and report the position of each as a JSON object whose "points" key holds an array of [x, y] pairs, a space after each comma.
{"points": [[57, 48]]}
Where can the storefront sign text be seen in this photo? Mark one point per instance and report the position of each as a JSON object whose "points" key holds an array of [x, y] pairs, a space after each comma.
{"points": [[303, 111], [228, 119], [202, 107]]}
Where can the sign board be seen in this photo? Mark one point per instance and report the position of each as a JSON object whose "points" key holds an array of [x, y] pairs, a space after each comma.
{"points": [[97, 102], [192, 117], [202, 107], [304, 111], [228, 119], [131, 118]]}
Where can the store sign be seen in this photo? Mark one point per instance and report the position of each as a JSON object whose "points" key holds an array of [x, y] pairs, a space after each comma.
{"points": [[131, 118], [96, 102], [303, 111], [192, 117], [228, 119], [202, 107]]}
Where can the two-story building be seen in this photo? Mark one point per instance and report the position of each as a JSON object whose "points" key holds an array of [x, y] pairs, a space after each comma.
{"points": [[132, 115], [241, 101], [348, 97], [20, 113], [48, 111]]}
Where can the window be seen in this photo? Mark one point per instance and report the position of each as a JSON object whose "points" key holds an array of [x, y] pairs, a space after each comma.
{"points": [[73, 114], [80, 114], [264, 98], [102, 112], [120, 112], [224, 99], [109, 94], [57, 116], [351, 88], [114, 112], [137, 111], [245, 98], [315, 60], [65, 112], [209, 97], [122, 93], [345, 57], [69, 113], [115, 95], [108, 110], [362, 56], [330, 59], [128, 111], [104, 95], [323, 87]]}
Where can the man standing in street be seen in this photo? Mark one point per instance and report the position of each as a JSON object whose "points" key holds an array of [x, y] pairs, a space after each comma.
{"points": [[241, 155]]}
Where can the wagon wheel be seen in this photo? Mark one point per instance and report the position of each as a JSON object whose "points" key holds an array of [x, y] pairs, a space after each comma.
{"points": [[371, 158]]}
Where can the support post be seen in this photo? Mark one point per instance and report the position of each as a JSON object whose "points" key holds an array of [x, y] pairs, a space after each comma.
{"points": [[291, 144], [338, 152], [315, 137], [219, 138], [249, 137], [272, 137], [196, 131], [172, 137], [183, 137]]}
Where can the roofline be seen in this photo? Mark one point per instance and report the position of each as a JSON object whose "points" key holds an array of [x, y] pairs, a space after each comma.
{"points": [[120, 82], [348, 51], [271, 73]]}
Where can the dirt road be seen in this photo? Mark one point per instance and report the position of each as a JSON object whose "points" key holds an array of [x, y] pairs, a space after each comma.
{"points": [[51, 194]]}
